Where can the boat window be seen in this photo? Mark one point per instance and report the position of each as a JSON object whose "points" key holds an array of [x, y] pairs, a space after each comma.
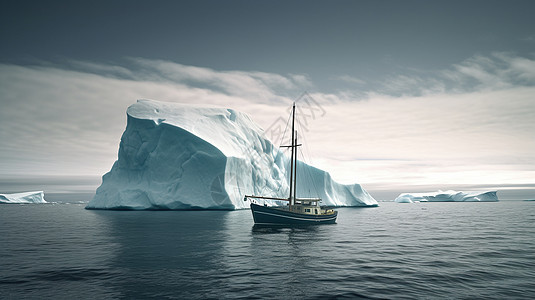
{"points": [[316, 211], [307, 209]]}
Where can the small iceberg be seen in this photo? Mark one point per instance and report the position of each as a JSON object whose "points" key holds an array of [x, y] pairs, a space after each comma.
{"points": [[448, 196], [23, 198]]}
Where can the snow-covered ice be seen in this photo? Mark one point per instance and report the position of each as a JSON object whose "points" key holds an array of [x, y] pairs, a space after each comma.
{"points": [[175, 156], [23, 198], [448, 196]]}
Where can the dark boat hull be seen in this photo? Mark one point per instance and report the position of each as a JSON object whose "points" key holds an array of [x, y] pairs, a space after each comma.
{"points": [[264, 215]]}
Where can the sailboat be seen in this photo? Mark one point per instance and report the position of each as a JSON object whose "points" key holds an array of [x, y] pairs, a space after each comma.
{"points": [[298, 211]]}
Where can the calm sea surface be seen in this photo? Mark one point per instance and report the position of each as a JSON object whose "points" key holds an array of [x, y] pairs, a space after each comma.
{"points": [[395, 251]]}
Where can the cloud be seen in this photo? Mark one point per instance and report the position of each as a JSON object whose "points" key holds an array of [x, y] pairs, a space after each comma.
{"points": [[472, 122], [349, 79], [260, 85], [69, 119], [385, 138], [529, 39], [495, 72]]}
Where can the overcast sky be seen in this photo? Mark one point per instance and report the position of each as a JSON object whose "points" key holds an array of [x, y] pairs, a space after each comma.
{"points": [[435, 93]]}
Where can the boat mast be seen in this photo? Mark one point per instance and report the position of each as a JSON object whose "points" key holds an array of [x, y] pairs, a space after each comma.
{"points": [[295, 168], [292, 175]]}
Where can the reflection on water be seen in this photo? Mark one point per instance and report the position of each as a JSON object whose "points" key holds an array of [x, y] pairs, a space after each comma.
{"points": [[431, 250], [267, 229], [278, 261], [162, 252], [52, 250]]}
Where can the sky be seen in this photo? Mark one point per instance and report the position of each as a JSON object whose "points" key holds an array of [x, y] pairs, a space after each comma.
{"points": [[410, 95]]}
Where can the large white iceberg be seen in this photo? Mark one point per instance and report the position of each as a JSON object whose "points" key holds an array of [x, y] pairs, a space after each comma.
{"points": [[23, 198], [448, 196], [174, 156]]}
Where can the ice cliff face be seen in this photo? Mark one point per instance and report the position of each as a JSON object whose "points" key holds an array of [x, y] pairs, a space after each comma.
{"points": [[174, 156], [23, 198], [448, 196]]}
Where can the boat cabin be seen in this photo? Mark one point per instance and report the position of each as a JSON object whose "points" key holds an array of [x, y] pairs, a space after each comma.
{"points": [[309, 207]]}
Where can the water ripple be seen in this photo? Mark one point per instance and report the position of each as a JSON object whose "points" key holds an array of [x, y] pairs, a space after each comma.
{"points": [[447, 250]]}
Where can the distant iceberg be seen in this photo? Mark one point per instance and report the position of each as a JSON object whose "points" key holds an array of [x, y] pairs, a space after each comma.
{"points": [[175, 156], [448, 196], [23, 198]]}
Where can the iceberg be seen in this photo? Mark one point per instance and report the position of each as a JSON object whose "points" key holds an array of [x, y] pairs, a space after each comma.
{"points": [[179, 157], [448, 196], [23, 198]]}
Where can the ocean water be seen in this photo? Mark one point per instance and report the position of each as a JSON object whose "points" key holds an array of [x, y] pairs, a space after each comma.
{"points": [[395, 251]]}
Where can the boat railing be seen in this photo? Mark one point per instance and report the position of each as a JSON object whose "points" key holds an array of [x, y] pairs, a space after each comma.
{"points": [[308, 199]]}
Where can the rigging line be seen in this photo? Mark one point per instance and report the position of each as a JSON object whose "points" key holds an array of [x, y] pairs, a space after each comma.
{"points": [[308, 175], [283, 136], [283, 139], [309, 158], [285, 129], [311, 178], [307, 148], [305, 143], [279, 151]]}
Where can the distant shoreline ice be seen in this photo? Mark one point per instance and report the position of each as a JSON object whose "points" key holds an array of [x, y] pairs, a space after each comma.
{"points": [[448, 196], [36, 197]]}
